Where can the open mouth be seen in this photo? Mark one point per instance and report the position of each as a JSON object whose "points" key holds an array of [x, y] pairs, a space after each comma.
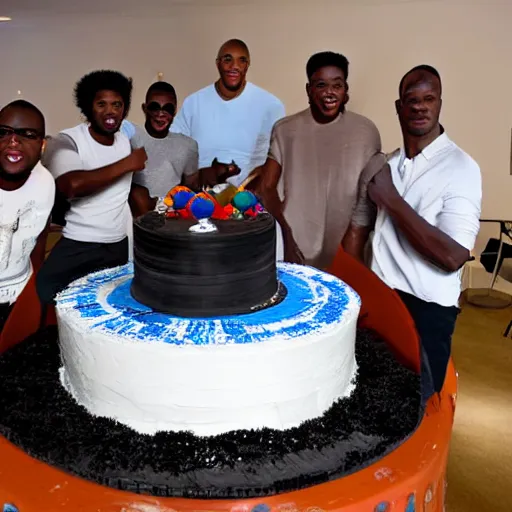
{"points": [[330, 104], [110, 122], [14, 158], [160, 123]]}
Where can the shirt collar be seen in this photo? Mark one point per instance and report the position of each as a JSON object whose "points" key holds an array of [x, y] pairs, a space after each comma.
{"points": [[437, 145]]}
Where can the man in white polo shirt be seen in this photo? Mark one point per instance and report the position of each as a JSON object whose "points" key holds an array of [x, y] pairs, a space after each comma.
{"points": [[231, 120], [92, 164], [428, 198]]}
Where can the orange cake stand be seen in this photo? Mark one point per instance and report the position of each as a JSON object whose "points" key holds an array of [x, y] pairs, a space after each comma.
{"points": [[409, 479]]}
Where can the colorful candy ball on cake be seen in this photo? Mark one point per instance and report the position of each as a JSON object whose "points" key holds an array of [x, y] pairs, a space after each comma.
{"points": [[244, 200], [180, 196], [201, 207]]}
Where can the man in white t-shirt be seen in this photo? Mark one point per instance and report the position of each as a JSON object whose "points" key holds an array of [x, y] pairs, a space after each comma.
{"points": [[27, 191], [231, 120], [429, 199], [92, 164]]}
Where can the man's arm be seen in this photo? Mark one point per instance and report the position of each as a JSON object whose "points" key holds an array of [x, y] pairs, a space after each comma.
{"points": [[61, 158], [39, 251], [84, 183], [264, 184], [364, 214], [446, 245], [140, 201]]}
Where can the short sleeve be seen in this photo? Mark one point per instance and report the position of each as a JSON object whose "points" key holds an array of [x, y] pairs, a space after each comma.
{"points": [[61, 156], [274, 151], [462, 202], [128, 128], [49, 193], [136, 141], [192, 161], [365, 211], [181, 123], [277, 112]]}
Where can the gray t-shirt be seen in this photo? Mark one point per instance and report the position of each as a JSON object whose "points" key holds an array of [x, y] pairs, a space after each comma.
{"points": [[169, 159]]}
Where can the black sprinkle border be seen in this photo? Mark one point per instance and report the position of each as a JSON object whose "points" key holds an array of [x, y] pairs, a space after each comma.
{"points": [[39, 416]]}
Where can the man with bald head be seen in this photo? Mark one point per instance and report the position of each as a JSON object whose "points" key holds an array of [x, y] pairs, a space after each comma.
{"points": [[231, 120], [428, 198]]}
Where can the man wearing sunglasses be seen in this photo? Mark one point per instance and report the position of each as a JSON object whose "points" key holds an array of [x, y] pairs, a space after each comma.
{"points": [[92, 164], [172, 157], [231, 120], [27, 192]]}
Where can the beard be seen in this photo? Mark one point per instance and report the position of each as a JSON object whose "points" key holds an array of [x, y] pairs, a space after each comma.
{"points": [[234, 88], [19, 177]]}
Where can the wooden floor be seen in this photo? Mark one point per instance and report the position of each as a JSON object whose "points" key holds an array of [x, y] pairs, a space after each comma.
{"points": [[480, 464]]}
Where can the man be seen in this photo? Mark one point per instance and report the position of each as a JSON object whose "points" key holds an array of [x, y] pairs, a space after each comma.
{"points": [[92, 164], [428, 199], [27, 190], [172, 157], [320, 162], [231, 120]]}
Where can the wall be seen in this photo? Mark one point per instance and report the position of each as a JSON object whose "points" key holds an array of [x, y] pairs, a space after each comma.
{"points": [[470, 42]]}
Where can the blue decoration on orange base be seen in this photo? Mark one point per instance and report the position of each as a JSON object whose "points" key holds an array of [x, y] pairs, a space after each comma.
{"points": [[261, 507], [10, 508], [181, 199], [411, 504], [201, 208]]}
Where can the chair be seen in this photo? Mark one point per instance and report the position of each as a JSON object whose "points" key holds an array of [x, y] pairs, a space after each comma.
{"points": [[491, 259]]}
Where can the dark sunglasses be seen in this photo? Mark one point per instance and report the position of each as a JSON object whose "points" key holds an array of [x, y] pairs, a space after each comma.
{"points": [[154, 107], [24, 133]]}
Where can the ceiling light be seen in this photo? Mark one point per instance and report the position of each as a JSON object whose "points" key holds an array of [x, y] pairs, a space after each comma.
{"points": [[4, 18]]}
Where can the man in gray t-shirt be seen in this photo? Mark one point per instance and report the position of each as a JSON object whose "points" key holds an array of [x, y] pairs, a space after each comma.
{"points": [[172, 158]]}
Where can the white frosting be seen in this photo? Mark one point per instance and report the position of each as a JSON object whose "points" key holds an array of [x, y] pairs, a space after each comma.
{"points": [[156, 372]]}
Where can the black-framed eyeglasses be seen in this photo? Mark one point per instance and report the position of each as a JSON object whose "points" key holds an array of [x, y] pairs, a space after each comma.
{"points": [[155, 107], [24, 133]]}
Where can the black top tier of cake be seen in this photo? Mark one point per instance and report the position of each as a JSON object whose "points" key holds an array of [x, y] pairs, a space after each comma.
{"points": [[226, 272]]}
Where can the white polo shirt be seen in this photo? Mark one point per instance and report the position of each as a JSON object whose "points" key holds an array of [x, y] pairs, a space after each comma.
{"points": [[444, 186]]}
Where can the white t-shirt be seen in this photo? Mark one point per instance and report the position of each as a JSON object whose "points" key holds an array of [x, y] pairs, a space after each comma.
{"points": [[444, 186], [23, 216], [237, 130], [100, 217]]}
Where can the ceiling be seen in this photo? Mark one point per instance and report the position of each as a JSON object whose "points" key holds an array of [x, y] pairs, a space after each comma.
{"points": [[44, 8], [31, 9]]}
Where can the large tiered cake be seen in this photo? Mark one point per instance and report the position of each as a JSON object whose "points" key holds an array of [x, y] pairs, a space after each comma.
{"points": [[206, 333]]}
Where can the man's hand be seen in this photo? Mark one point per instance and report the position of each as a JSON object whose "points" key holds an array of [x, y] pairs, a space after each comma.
{"points": [[218, 173], [292, 253], [136, 160], [381, 189]]}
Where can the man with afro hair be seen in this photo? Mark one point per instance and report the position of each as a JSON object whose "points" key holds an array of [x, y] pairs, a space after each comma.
{"points": [[92, 164]]}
